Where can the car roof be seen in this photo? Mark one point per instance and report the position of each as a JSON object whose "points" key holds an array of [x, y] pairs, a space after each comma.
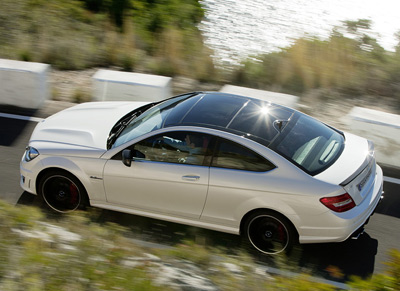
{"points": [[253, 118]]}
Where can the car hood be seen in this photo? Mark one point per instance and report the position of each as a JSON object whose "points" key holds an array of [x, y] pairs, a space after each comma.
{"points": [[85, 125]]}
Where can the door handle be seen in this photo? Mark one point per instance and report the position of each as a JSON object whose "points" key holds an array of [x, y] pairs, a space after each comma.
{"points": [[190, 177]]}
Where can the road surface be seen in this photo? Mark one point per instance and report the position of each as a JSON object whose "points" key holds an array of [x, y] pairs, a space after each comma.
{"points": [[361, 257]]}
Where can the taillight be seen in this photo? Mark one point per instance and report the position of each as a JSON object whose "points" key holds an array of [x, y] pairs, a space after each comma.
{"points": [[339, 203]]}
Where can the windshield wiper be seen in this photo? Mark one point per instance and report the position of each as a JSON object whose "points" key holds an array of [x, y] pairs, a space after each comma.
{"points": [[124, 122], [118, 129]]}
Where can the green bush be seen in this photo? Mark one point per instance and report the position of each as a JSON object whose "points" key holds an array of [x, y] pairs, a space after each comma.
{"points": [[74, 35]]}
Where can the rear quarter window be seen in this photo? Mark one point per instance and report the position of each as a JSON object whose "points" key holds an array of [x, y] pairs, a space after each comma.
{"points": [[231, 155]]}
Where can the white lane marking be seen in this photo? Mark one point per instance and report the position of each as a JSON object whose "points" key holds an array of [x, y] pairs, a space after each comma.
{"points": [[21, 117], [391, 180]]}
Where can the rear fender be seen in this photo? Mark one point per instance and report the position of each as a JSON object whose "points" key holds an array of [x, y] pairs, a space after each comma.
{"points": [[273, 204]]}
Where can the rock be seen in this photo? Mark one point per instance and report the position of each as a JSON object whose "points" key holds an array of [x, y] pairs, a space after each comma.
{"points": [[235, 269], [181, 279]]}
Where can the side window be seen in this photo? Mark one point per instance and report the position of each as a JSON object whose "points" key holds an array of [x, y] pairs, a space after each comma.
{"points": [[175, 147], [234, 156]]}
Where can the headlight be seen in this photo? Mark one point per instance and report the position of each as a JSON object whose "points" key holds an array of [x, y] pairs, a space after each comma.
{"points": [[30, 153]]}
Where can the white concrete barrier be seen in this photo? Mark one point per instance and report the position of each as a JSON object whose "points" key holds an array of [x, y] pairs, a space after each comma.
{"points": [[380, 127], [274, 97], [23, 84], [124, 86]]}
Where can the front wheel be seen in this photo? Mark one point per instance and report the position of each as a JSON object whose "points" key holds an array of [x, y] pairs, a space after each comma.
{"points": [[62, 191], [269, 232]]}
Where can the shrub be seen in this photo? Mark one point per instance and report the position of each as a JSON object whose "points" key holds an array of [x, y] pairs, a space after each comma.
{"points": [[73, 35], [353, 66]]}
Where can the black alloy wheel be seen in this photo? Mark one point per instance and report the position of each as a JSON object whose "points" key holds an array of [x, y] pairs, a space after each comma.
{"points": [[270, 233], [61, 191]]}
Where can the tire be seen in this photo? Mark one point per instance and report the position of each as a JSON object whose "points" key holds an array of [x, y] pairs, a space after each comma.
{"points": [[62, 191], [269, 232]]}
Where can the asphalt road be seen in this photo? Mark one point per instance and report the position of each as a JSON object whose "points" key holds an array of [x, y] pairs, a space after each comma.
{"points": [[361, 257]]}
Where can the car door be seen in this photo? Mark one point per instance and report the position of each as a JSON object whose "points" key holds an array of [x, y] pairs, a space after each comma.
{"points": [[236, 174], [169, 175]]}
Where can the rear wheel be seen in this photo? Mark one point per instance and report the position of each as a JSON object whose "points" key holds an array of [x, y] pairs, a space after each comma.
{"points": [[62, 191], [269, 232]]}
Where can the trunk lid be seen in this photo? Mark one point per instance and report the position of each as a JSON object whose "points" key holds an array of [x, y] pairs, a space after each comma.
{"points": [[355, 169]]}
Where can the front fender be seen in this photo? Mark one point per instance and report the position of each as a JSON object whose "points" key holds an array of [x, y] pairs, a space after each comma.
{"points": [[87, 170]]}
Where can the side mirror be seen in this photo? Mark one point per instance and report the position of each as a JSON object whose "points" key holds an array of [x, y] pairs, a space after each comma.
{"points": [[127, 157]]}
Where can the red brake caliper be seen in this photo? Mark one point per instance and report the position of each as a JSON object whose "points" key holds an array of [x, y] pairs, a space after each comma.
{"points": [[281, 232], [74, 193]]}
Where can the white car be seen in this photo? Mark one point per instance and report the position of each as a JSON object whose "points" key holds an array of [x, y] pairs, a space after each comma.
{"points": [[213, 160]]}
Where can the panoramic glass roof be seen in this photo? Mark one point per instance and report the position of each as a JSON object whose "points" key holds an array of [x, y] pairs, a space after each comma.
{"points": [[238, 114]]}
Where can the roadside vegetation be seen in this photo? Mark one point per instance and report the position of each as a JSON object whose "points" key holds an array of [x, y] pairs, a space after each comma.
{"points": [[162, 37], [39, 251], [350, 62], [150, 36]]}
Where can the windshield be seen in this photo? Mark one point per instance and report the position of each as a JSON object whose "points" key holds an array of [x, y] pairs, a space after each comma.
{"points": [[310, 144], [150, 120]]}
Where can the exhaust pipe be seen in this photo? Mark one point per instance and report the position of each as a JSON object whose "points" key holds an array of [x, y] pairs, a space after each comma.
{"points": [[361, 230], [357, 233]]}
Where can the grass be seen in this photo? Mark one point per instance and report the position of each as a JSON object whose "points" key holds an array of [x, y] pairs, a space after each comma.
{"points": [[34, 258], [42, 251]]}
